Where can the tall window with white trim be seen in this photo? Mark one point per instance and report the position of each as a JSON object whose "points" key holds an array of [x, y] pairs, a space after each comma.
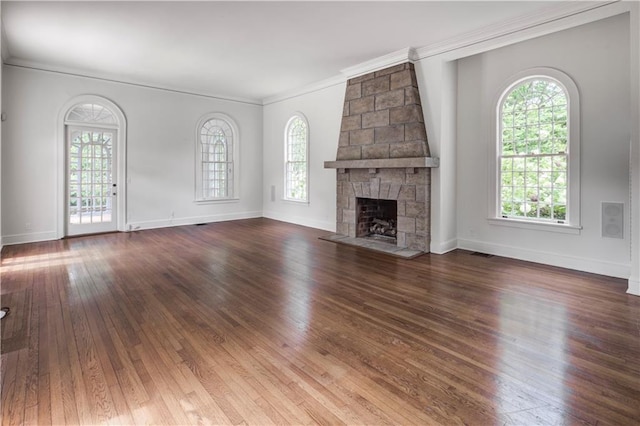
{"points": [[215, 159], [535, 152], [297, 159]]}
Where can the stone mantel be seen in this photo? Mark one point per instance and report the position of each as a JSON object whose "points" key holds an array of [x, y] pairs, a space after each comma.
{"points": [[384, 163]]}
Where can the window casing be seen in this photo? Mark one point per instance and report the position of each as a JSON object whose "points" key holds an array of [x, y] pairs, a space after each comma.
{"points": [[297, 159], [537, 150], [216, 158]]}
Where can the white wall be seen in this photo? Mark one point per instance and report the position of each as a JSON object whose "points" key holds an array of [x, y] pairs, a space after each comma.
{"points": [[323, 110], [437, 82], [596, 56], [160, 153]]}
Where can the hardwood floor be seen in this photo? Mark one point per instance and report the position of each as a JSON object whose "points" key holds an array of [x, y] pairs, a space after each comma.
{"points": [[260, 322]]}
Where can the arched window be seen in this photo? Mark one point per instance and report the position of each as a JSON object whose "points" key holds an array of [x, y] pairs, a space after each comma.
{"points": [[216, 152], [297, 159], [538, 150]]}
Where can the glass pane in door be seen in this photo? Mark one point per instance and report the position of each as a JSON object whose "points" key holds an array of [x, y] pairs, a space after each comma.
{"points": [[90, 177]]}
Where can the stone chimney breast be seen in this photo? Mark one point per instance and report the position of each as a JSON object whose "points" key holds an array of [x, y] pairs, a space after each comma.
{"points": [[382, 116]]}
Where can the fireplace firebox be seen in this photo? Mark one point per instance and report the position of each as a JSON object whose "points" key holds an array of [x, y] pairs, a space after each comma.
{"points": [[377, 219]]}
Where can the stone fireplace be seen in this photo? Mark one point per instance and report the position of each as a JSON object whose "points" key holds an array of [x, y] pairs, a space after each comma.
{"points": [[383, 156]]}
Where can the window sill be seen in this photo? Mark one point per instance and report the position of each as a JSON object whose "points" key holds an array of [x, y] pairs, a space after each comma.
{"points": [[302, 202], [217, 201], [538, 226]]}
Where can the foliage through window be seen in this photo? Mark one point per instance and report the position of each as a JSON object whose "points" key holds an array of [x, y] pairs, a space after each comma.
{"points": [[216, 159], [296, 161], [534, 151]]}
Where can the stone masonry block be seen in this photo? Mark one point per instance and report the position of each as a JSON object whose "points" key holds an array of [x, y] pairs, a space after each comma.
{"points": [[352, 201], [358, 106], [351, 123], [415, 132], [360, 79], [348, 190], [342, 177], [377, 85], [414, 209], [376, 151], [412, 96], [339, 215], [416, 242], [342, 201], [406, 114], [361, 137], [407, 193], [392, 175], [391, 70], [384, 191], [375, 119], [359, 175], [374, 183], [389, 134], [417, 178], [366, 190], [402, 79], [357, 188], [394, 191], [352, 230], [407, 149], [406, 224], [344, 139], [349, 216], [342, 228], [349, 153], [390, 99], [401, 239], [345, 109], [354, 91], [421, 193], [401, 208]]}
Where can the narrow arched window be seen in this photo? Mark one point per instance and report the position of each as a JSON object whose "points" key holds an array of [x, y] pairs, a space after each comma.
{"points": [[538, 151], [297, 159], [215, 159]]}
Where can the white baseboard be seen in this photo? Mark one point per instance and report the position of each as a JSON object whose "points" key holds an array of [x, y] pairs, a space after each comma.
{"points": [[443, 247], [634, 287], [181, 221], [595, 266], [301, 220], [32, 237]]}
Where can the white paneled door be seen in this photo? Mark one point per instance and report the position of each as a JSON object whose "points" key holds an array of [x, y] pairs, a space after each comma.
{"points": [[91, 185]]}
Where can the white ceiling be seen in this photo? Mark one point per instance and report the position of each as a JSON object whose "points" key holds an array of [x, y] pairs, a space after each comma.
{"points": [[250, 50]]}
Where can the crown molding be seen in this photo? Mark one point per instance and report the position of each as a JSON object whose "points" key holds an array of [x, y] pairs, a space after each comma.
{"points": [[408, 54], [310, 88], [555, 12], [19, 63]]}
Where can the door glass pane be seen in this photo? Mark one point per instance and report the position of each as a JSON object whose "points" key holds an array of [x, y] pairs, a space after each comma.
{"points": [[90, 177]]}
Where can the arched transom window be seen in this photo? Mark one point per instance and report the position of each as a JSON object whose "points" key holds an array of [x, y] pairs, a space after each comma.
{"points": [[91, 113], [216, 160], [297, 159], [534, 151]]}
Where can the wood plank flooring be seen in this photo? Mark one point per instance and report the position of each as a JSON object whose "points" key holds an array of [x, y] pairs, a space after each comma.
{"points": [[260, 322]]}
